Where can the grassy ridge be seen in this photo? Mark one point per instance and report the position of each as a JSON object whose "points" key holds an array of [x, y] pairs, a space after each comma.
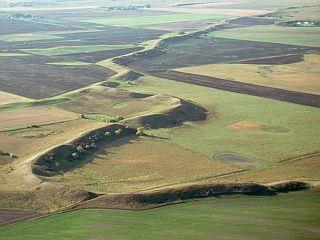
{"points": [[238, 217]]}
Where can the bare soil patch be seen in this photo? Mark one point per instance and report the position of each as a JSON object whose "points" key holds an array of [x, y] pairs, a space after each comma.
{"points": [[94, 57], [248, 21], [12, 216], [31, 76], [9, 26], [211, 50], [34, 116], [245, 125], [6, 98]]}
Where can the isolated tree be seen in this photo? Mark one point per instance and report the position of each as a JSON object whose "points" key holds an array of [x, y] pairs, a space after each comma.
{"points": [[75, 155], [118, 132], [80, 149], [140, 131]]}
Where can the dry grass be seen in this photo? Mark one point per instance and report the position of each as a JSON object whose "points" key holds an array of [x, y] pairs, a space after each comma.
{"points": [[6, 98], [27, 143], [245, 125], [305, 169], [302, 76], [102, 100], [33, 116], [140, 164]]}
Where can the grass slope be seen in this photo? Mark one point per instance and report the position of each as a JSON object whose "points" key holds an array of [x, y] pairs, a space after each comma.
{"points": [[287, 130], [303, 36], [239, 217]]}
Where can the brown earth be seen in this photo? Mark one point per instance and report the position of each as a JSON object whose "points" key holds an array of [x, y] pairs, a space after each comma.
{"points": [[13, 216], [194, 50], [245, 125], [244, 88], [32, 77], [34, 116], [9, 26], [6, 98]]}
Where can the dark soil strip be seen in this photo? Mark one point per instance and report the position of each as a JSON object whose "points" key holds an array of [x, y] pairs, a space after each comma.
{"points": [[276, 60], [13, 216], [244, 88]]}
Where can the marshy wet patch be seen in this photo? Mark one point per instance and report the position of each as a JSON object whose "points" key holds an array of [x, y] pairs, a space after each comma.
{"points": [[235, 158], [274, 129]]}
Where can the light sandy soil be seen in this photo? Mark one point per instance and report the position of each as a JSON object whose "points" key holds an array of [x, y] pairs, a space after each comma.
{"points": [[6, 98], [34, 116]]}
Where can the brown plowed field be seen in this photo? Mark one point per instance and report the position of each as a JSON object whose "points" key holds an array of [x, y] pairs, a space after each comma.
{"points": [[244, 88], [12, 216], [33, 116]]}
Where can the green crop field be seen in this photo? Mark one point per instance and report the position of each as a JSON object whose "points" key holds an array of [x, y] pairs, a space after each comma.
{"points": [[286, 216], [153, 20], [283, 125], [76, 49], [304, 36]]}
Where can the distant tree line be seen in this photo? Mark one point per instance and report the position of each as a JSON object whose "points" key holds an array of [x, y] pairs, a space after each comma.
{"points": [[130, 7], [23, 16]]}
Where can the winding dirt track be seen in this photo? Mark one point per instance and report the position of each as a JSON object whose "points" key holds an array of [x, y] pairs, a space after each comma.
{"points": [[306, 99]]}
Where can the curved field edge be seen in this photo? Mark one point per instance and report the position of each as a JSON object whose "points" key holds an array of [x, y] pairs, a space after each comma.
{"points": [[235, 217]]}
